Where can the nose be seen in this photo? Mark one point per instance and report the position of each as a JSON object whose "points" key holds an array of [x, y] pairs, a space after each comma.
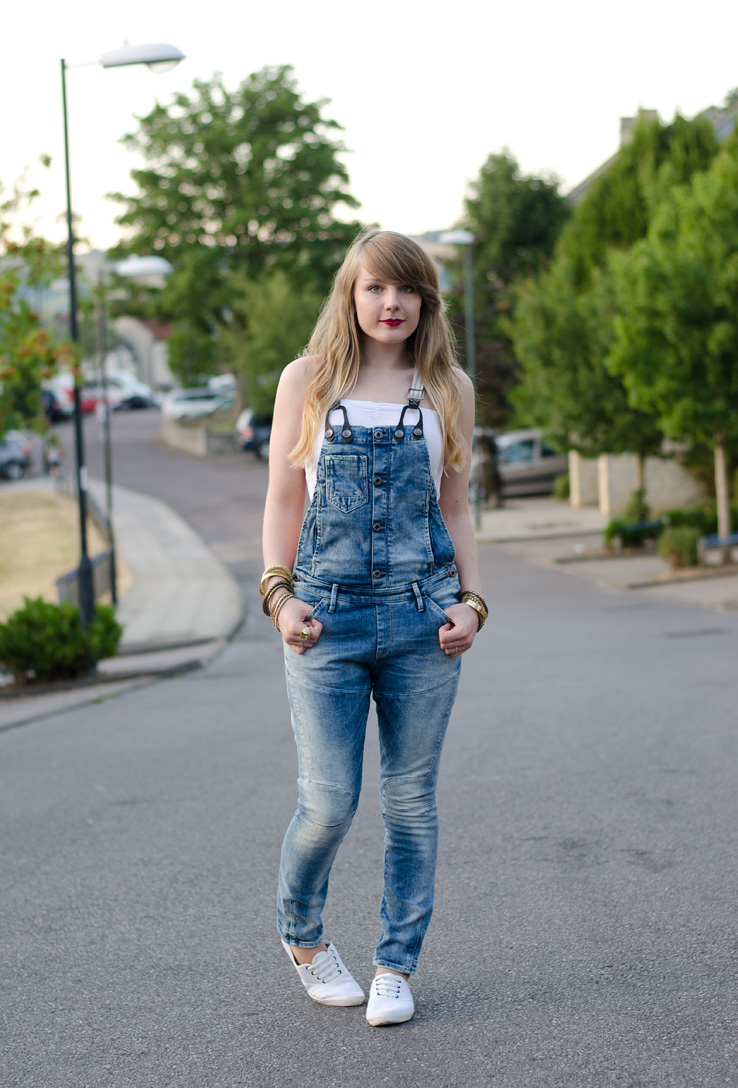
{"points": [[392, 298]]}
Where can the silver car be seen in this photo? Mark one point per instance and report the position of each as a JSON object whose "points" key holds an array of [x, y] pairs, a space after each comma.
{"points": [[527, 464]]}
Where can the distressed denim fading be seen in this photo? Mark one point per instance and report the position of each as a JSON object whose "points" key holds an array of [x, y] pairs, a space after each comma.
{"points": [[381, 644]]}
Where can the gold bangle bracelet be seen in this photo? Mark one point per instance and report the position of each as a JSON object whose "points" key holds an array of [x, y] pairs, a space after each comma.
{"points": [[265, 604], [278, 608], [270, 572], [468, 596], [473, 600]]}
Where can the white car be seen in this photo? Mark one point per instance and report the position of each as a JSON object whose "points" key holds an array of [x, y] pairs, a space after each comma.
{"points": [[195, 403], [124, 390]]}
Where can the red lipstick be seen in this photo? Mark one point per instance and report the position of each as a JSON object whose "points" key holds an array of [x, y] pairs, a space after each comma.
{"points": [[393, 322]]}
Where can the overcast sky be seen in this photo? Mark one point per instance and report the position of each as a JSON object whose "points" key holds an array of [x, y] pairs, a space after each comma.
{"points": [[424, 90]]}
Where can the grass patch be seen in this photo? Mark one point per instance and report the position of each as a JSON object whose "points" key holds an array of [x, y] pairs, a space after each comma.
{"points": [[39, 541]]}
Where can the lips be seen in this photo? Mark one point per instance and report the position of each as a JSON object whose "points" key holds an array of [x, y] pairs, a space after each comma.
{"points": [[392, 322]]}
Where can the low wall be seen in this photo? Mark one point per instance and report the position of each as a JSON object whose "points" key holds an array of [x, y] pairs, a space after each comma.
{"points": [[668, 483], [197, 439]]}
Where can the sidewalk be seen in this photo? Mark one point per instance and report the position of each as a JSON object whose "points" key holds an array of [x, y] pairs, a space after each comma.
{"points": [[552, 533], [179, 612]]}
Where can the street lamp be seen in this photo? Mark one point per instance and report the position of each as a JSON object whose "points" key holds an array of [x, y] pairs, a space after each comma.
{"points": [[466, 239], [156, 57]]}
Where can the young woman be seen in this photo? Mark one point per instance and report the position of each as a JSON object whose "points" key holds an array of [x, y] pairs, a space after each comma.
{"points": [[375, 592]]}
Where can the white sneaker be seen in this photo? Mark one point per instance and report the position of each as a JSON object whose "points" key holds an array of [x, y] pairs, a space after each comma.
{"points": [[326, 979], [390, 1000]]}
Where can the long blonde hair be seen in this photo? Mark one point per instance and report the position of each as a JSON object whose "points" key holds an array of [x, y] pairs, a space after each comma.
{"points": [[334, 350]]}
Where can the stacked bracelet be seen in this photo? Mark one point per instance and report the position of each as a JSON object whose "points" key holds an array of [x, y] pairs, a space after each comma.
{"points": [[270, 572], [478, 603], [273, 598], [282, 583], [278, 607]]}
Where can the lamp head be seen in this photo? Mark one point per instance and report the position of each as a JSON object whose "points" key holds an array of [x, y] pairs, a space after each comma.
{"points": [[158, 57]]}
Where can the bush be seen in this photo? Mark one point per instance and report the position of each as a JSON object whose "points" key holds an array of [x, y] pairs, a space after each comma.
{"points": [[44, 641], [702, 517], [637, 509], [679, 546], [637, 513], [622, 529], [561, 488]]}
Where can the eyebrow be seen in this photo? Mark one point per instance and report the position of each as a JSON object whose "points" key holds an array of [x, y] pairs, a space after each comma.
{"points": [[367, 277]]}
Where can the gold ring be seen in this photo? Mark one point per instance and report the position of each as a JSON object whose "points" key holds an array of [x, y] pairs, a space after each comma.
{"points": [[305, 633]]}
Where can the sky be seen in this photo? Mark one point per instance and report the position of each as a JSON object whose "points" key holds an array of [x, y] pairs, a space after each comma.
{"points": [[425, 91]]}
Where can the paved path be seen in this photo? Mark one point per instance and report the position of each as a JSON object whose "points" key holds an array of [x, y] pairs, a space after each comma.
{"points": [[180, 593]]}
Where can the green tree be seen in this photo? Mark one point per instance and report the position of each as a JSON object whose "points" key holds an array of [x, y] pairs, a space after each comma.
{"points": [[515, 219], [28, 354], [562, 330], [676, 339], [563, 337], [276, 326], [618, 208], [245, 181]]}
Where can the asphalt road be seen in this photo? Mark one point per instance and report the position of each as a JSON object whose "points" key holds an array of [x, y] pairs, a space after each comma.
{"points": [[585, 931]]}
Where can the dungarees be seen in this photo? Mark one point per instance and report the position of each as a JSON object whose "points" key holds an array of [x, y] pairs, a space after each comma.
{"points": [[377, 563]]}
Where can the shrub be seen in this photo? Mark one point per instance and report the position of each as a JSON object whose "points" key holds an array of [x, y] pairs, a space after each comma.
{"points": [[44, 641], [622, 529], [637, 509], [637, 513], [561, 486], [679, 545]]}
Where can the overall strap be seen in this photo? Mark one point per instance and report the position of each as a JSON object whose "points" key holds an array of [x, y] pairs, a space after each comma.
{"points": [[414, 396], [415, 393]]}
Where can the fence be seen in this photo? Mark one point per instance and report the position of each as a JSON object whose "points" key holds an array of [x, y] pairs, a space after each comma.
{"points": [[102, 564]]}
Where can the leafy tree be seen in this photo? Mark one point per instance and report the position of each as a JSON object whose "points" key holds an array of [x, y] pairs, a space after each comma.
{"points": [[515, 219], [563, 337], [245, 181], [562, 330], [28, 354], [676, 341], [276, 326], [618, 208]]}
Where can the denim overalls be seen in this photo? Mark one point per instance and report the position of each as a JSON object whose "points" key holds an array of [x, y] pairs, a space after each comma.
{"points": [[377, 563]]}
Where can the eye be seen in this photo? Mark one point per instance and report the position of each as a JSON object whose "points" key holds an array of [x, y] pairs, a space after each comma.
{"points": [[408, 289], [374, 287]]}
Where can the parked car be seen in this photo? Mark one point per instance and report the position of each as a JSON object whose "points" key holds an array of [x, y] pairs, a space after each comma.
{"points": [[527, 464], [253, 432], [15, 455], [124, 391], [132, 391], [57, 405], [195, 403]]}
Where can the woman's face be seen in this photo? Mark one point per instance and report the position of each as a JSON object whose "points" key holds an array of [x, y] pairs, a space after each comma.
{"points": [[387, 312]]}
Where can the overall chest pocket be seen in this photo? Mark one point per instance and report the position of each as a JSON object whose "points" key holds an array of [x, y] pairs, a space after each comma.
{"points": [[347, 481]]}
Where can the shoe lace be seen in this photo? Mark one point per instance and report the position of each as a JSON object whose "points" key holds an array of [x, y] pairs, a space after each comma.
{"points": [[325, 967], [387, 985]]}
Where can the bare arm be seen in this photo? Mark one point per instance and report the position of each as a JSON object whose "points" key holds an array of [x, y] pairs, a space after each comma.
{"points": [[454, 503], [285, 502]]}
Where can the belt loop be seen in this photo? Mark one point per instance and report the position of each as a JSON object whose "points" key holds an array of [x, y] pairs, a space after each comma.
{"points": [[419, 602], [334, 597]]}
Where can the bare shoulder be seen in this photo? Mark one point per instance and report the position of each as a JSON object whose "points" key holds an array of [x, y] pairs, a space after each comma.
{"points": [[463, 383], [296, 374]]}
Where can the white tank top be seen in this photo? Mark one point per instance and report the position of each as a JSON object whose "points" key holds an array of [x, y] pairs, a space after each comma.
{"points": [[370, 413]]}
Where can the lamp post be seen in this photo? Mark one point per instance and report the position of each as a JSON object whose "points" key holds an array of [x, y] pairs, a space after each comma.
{"points": [[466, 239], [157, 57]]}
